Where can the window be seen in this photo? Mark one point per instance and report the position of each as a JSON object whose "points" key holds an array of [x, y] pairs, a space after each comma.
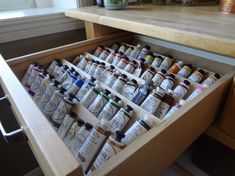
{"points": [[16, 4]]}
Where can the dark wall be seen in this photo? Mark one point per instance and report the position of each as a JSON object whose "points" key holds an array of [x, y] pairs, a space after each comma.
{"points": [[27, 46]]}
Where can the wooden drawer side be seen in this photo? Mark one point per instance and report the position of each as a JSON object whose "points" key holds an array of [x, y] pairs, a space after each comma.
{"points": [[52, 155]]}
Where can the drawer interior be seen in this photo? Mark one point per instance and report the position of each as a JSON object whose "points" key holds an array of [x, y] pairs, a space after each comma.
{"points": [[168, 138]]}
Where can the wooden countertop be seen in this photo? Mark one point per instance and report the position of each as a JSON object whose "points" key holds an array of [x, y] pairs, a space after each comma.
{"points": [[200, 27]]}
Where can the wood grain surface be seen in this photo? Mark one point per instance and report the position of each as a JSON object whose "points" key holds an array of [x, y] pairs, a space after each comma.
{"points": [[200, 27], [52, 155]]}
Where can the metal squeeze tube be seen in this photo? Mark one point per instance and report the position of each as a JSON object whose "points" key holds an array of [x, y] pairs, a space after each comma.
{"points": [[75, 87], [121, 118], [58, 71], [181, 89], [149, 59], [196, 76], [28, 73], [111, 79], [151, 103], [140, 69], [63, 108], [159, 77], [92, 144], [115, 46], [157, 61], [164, 106], [110, 109], [66, 124], [129, 89], [117, 58], [73, 131], [90, 97], [54, 102], [119, 83], [166, 63], [88, 65], [104, 54], [111, 56], [128, 51], [80, 138], [141, 126], [148, 74], [185, 71], [176, 67], [106, 73], [98, 51], [99, 102], [93, 68], [42, 88], [37, 83], [144, 52], [142, 93], [77, 60], [110, 148], [210, 80], [99, 70], [52, 87], [174, 109], [70, 80], [196, 92], [52, 66], [88, 84], [66, 74], [123, 48], [135, 52], [82, 64], [131, 66], [168, 82], [123, 63], [35, 72]]}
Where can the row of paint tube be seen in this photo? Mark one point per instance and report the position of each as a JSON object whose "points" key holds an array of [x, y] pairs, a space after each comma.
{"points": [[57, 110]]}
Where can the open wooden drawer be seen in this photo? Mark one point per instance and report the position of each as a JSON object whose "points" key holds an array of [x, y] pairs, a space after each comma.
{"points": [[148, 155]]}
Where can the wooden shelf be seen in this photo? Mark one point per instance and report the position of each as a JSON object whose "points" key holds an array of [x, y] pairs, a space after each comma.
{"points": [[201, 27]]}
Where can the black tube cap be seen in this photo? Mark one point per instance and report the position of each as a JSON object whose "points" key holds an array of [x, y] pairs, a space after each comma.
{"points": [[112, 67], [172, 76], [217, 75], [163, 71], [56, 83], [186, 82], [116, 99], [73, 114], [62, 90], [201, 71], [128, 108], [170, 56], [152, 69], [80, 122], [88, 126], [134, 81], [51, 76], [119, 136], [92, 79], [107, 92], [124, 76], [147, 47], [142, 59]]}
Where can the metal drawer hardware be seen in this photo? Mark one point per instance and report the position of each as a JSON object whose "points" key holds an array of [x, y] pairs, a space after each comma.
{"points": [[10, 137]]}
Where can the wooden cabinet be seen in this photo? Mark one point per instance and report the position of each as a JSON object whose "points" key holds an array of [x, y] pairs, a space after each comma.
{"points": [[151, 153]]}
